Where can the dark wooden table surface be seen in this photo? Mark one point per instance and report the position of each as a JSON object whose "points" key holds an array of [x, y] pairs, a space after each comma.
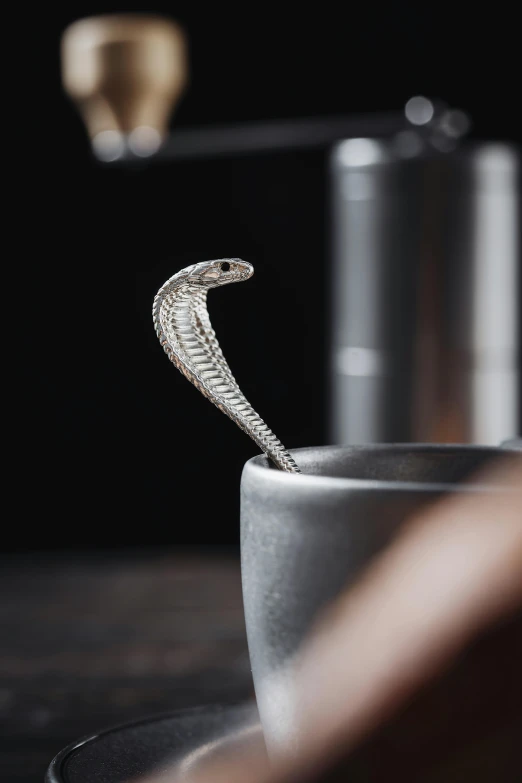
{"points": [[92, 640]]}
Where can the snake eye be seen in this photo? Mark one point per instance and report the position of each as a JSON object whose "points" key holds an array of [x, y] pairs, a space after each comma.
{"points": [[225, 266]]}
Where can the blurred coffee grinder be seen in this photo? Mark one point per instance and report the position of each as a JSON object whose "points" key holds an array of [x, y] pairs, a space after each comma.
{"points": [[426, 300], [425, 289]]}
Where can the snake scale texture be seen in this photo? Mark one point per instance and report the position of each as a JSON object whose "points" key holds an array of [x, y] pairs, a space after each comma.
{"points": [[184, 330]]}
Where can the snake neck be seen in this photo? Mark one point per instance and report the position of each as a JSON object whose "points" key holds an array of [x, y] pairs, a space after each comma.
{"points": [[184, 329]]}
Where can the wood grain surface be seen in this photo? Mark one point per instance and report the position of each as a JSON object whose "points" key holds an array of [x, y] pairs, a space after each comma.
{"points": [[89, 641]]}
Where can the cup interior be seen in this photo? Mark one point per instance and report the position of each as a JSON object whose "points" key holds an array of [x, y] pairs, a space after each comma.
{"points": [[397, 463]]}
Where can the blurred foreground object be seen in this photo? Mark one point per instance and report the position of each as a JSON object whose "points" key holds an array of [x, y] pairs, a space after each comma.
{"points": [[426, 257], [126, 74]]}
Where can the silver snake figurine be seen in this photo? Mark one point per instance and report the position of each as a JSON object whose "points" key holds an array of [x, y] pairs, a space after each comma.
{"points": [[184, 330]]}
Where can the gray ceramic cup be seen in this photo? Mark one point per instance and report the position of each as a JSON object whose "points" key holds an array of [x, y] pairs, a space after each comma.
{"points": [[305, 537]]}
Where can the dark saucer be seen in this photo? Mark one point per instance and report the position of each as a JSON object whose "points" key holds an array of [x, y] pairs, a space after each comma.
{"points": [[175, 742]]}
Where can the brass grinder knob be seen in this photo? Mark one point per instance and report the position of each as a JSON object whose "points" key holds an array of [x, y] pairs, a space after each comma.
{"points": [[125, 73]]}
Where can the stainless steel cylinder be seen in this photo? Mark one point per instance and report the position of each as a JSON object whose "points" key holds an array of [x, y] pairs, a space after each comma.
{"points": [[425, 292]]}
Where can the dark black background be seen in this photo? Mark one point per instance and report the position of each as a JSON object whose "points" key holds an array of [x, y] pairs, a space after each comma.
{"points": [[113, 447]]}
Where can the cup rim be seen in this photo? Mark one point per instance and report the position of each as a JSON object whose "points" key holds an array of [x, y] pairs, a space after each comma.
{"points": [[261, 468]]}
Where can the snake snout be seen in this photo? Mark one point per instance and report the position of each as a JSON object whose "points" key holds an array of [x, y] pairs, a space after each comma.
{"points": [[240, 267], [229, 270]]}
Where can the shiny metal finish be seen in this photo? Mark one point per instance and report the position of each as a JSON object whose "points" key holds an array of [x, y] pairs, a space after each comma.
{"points": [[184, 330], [425, 333]]}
